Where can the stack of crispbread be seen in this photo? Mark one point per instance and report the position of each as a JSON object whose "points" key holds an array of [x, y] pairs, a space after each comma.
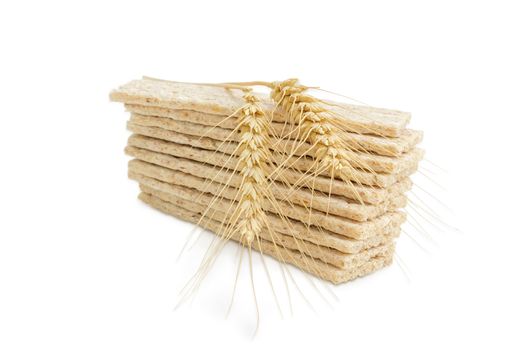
{"points": [[178, 148]]}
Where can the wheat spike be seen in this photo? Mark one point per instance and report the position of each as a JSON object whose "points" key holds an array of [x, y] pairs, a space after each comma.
{"points": [[253, 153], [247, 217], [315, 124]]}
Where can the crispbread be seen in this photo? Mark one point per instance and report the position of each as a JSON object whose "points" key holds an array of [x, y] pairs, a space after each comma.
{"points": [[203, 136], [386, 146], [367, 194], [319, 185], [290, 241], [289, 227], [311, 265], [218, 100], [331, 205], [225, 160], [343, 226]]}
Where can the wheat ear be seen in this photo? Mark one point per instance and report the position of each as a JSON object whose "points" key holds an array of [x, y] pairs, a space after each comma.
{"points": [[247, 217], [315, 124], [254, 152], [253, 159]]}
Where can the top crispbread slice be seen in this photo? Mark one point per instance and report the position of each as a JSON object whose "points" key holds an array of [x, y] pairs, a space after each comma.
{"points": [[222, 101]]}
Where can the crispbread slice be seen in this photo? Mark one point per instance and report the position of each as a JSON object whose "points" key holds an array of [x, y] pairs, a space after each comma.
{"points": [[343, 226], [213, 137], [386, 146], [301, 165], [218, 100], [335, 205], [290, 227], [293, 241], [311, 265], [367, 194]]}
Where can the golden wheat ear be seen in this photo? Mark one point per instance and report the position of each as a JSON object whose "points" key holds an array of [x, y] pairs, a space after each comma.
{"points": [[323, 129], [315, 126], [255, 189], [245, 216]]}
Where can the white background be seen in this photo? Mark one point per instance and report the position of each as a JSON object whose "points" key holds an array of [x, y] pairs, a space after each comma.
{"points": [[85, 265]]}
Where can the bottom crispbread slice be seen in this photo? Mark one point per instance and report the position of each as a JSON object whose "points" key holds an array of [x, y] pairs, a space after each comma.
{"points": [[292, 240], [308, 264]]}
